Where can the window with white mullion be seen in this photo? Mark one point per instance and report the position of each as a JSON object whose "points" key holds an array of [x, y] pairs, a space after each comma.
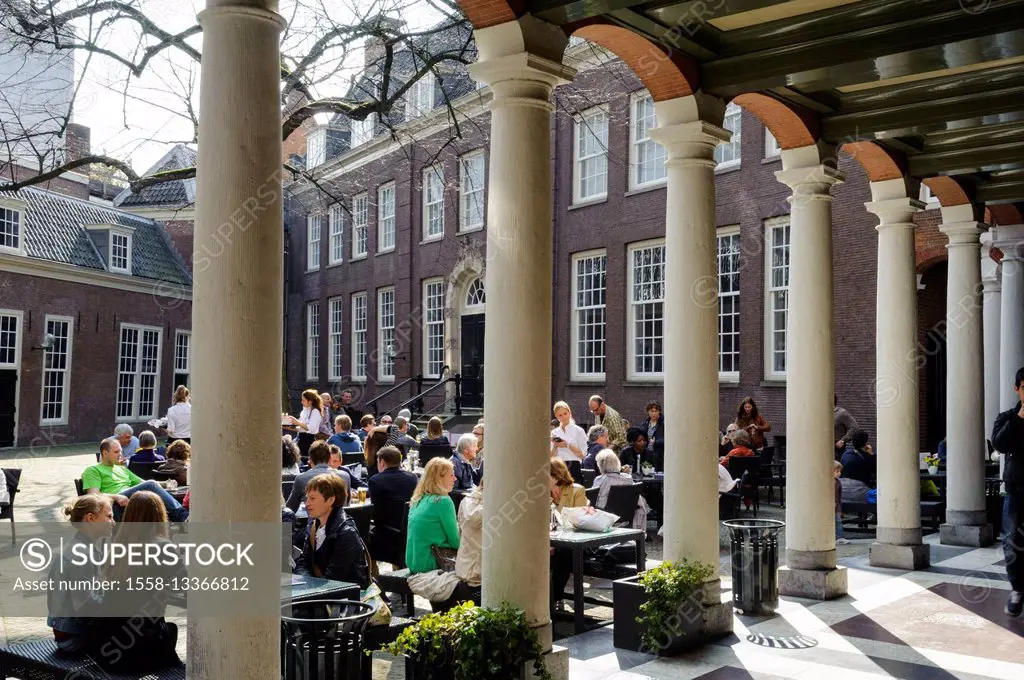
{"points": [[648, 157], [9, 340], [337, 317], [591, 151], [10, 230], [471, 191], [771, 145], [386, 217], [588, 325], [138, 372], [727, 154], [313, 341], [337, 241], [362, 131], [433, 203], [360, 215], [647, 311], [182, 358], [316, 147], [386, 334], [313, 242], [56, 372], [729, 303], [359, 336], [433, 328], [777, 299], [120, 252], [420, 96]]}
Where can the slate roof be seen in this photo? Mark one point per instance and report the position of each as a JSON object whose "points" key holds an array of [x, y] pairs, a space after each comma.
{"points": [[55, 230], [175, 194]]}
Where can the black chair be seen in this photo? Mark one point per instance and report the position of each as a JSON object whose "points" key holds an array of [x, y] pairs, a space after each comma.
{"points": [[592, 496], [143, 470], [361, 515], [387, 543], [575, 470], [78, 487], [352, 458], [588, 477], [11, 477], [728, 505], [748, 471], [623, 500], [287, 482], [457, 496], [430, 451]]}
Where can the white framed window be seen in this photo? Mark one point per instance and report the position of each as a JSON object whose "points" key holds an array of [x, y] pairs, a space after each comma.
{"points": [[182, 358], [57, 372], [419, 98], [646, 157], [590, 166], [360, 215], [727, 154], [11, 236], [313, 242], [10, 335], [120, 251], [359, 336], [386, 217], [771, 145], [646, 310], [313, 340], [337, 316], [138, 372], [476, 297], [588, 315], [386, 348], [433, 327], [777, 298], [433, 203], [316, 147], [336, 248], [362, 131], [471, 191], [729, 303]]}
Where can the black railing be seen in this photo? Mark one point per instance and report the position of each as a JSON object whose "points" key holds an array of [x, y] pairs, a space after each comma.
{"points": [[373, 402], [415, 403]]}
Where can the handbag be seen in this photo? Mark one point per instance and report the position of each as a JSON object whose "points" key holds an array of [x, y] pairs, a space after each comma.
{"points": [[373, 595], [445, 557]]}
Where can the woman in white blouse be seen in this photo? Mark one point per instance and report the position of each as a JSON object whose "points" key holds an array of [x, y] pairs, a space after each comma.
{"points": [[308, 422], [179, 417], [568, 440]]}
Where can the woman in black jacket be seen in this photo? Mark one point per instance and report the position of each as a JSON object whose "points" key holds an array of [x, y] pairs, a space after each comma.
{"points": [[332, 548], [654, 428]]}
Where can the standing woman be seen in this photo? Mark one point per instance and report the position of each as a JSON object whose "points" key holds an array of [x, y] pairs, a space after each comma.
{"points": [[308, 422], [179, 417], [654, 427], [748, 418], [568, 440]]}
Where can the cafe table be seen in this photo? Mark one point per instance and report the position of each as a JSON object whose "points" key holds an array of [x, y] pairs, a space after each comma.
{"points": [[578, 542], [303, 587]]}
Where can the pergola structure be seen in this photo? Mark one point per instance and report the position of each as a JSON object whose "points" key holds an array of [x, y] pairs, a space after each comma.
{"points": [[914, 90]]}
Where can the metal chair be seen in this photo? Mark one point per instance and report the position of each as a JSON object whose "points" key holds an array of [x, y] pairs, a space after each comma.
{"points": [[143, 470], [575, 470], [748, 470], [588, 477], [623, 500], [430, 451]]}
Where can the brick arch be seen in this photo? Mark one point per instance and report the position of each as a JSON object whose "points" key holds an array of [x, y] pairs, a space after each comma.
{"points": [[879, 163], [484, 13], [793, 127], [948, 191], [665, 73], [1004, 214]]}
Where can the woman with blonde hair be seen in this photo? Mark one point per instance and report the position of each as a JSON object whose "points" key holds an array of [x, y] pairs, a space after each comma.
{"points": [[179, 417], [568, 440], [433, 526], [565, 492], [308, 422]]}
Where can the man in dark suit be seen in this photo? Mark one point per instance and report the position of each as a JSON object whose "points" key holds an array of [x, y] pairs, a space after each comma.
{"points": [[1008, 439], [319, 457], [390, 489]]}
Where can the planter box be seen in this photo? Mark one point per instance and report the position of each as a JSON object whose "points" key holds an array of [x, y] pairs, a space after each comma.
{"points": [[687, 631]]}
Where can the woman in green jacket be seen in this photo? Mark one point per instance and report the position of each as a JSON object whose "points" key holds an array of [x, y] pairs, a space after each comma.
{"points": [[432, 520]]}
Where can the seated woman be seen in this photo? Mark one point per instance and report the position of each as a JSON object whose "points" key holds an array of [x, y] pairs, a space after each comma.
{"points": [[435, 434], [146, 453], [565, 492], [741, 447], [332, 548], [177, 463], [289, 456], [611, 475], [637, 452], [859, 464], [433, 525], [376, 439]]}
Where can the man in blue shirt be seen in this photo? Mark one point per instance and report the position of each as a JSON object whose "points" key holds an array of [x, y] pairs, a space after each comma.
{"points": [[125, 435], [466, 475], [343, 436]]}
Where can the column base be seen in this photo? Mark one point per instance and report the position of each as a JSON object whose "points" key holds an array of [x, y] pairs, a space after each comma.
{"points": [[813, 584], [906, 557], [556, 662], [965, 535]]}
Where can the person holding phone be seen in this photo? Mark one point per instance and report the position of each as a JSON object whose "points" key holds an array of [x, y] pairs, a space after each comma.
{"points": [[568, 440]]}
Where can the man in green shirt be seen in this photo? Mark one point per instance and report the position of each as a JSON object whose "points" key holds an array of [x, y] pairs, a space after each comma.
{"points": [[118, 482], [611, 420]]}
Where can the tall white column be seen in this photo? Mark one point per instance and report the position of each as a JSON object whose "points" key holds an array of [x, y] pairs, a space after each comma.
{"points": [[810, 376], [518, 336], [965, 432], [991, 302], [236, 312], [898, 543], [1010, 240]]}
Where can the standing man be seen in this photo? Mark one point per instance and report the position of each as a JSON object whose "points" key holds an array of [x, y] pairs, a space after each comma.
{"points": [[610, 418], [327, 417], [1008, 439], [844, 423], [346, 405]]}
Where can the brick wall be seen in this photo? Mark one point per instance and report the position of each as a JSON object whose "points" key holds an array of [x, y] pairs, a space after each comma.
{"points": [[182, 233], [60, 185], [78, 142]]}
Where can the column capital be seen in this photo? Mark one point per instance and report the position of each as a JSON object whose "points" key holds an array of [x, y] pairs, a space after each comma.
{"points": [[962, 233], [238, 10], [522, 78], [895, 212], [690, 143], [811, 183], [1009, 240]]}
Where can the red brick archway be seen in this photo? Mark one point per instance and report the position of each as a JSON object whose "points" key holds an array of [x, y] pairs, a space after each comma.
{"points": [[793, 127], [484, 13], [948, 191], [879, 163]]}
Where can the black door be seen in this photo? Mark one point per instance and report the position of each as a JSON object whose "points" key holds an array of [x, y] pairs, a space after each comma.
{"points": [[473, 361], [8, 390]]}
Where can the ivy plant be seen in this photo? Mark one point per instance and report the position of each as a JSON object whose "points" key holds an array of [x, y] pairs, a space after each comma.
{"points": [[669, 587], [472, 643]]}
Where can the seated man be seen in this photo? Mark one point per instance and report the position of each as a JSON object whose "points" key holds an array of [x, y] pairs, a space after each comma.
{"points": [[390, 489], [366, 423], [335, 463], [398, 434], [597, 441], [859, 465], [466, 476], [125, 435], [146, 453], [319, 457], [343, 437], [118, 482]]}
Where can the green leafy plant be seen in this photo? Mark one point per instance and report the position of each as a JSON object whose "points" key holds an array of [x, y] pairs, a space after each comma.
{"points": [[931, 460], [475, 642], [669, 587]]}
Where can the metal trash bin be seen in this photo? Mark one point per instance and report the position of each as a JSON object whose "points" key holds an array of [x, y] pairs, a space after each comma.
{"points": [[755, 564], [322, 639]]}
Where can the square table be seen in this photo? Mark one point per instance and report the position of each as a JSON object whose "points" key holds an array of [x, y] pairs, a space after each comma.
{"points": [[578, 542], [305, 587]]}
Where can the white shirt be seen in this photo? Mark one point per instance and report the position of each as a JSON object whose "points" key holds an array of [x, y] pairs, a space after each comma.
{"points": [[179, 421], [311, 418], [573, 434], [725, 480]]}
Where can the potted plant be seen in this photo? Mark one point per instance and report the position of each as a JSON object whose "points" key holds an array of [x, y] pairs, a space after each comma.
{"points": [[932, 461], [470, 643], [661, 611]]}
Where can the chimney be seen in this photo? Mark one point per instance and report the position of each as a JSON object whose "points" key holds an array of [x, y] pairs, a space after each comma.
{"points": [[77, 142], [373, 48]]}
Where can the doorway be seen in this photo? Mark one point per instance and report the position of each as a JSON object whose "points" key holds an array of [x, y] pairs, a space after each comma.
{"points": [[8, 415], [473, 361]]}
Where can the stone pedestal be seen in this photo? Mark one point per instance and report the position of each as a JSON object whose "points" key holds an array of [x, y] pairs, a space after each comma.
{"points": [[908, 557], [813, 584], [967, 535]]}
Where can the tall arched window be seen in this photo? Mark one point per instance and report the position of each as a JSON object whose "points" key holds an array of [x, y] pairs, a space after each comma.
{"points": [[475, 296]]}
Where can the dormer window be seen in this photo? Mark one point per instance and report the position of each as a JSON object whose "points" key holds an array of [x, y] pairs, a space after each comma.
{"points": [[120, 252], [420, 96], [316, 147], [12, 226], [361, 131]]}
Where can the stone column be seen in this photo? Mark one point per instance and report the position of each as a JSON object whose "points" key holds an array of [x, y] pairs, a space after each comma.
{"points": [[1010, 240], [898, 543], [810, 569], [965, 433], [518, 336], [236, 312], [691, 344], [991, 295]]}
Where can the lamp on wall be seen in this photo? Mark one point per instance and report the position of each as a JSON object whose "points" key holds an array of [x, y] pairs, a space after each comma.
{"points": [[48, 340]]}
